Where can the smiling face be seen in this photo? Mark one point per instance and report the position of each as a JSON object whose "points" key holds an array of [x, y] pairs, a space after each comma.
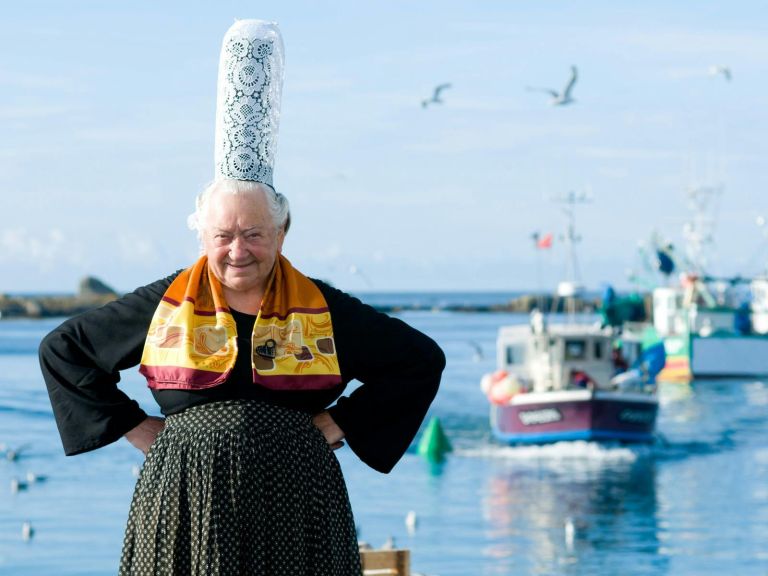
{"points": [[242, 243]]}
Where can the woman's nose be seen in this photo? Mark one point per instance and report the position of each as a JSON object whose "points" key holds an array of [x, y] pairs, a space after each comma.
{"points": [[237, 245]]}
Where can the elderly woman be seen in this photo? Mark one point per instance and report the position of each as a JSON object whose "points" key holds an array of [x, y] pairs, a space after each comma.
{"points": [[245, 357]]}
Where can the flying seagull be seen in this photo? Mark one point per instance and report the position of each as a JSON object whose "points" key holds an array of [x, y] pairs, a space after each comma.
{"points": [[435, 95], [716, 69], [357, 272], [478, 355], [560, 98]]}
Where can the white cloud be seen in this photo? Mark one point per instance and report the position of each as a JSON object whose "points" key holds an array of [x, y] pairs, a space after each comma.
{"points": [[32, 112], [671, 41], [631, 153], [45, 249], [137, 250]]}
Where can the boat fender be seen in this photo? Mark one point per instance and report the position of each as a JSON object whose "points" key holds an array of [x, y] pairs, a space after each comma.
{"points": [[489, 380], [500, 387]]}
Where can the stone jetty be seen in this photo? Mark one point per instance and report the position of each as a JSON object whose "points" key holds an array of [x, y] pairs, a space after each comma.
{"points": [[91, 293]]}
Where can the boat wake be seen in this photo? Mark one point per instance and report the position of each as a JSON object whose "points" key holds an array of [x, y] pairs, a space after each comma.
{"points": [[559, 452]]}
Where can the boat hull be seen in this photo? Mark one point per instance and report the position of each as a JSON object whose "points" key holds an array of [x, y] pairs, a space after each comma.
{"points": [[538, 418], [716, 356], [722, 356]]}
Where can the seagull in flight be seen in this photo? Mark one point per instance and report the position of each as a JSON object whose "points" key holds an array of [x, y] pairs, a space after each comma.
{"points": [[560, 98], [354, 270], [716, 69], [435, 95], [478, 355]]}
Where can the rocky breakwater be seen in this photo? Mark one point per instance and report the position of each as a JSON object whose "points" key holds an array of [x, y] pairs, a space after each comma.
{"points": [[525, 303], [91, 293]]}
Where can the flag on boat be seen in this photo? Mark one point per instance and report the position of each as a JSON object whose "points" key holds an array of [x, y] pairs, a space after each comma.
{"points": [[544, 241]]}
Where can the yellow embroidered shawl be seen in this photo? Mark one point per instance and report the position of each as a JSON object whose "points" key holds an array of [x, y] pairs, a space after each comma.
{"points": [[192, 339]]}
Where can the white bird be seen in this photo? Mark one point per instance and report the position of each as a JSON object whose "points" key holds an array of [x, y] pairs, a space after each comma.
{"points": [[389, 544], [14, 454], [435, 99], [411, 522], [560, 98], [570, 532], [32, 477], [27, 531], [478, 355], [357, 272], [716, 69], [17, 485]]}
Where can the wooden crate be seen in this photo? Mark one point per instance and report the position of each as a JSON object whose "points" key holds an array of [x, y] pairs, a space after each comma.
{"points": [[386, 562]]}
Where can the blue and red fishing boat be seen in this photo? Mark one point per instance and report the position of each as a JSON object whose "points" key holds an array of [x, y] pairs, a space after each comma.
{"points": [[572, 382]]}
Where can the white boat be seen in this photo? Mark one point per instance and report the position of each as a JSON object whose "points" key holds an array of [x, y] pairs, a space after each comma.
{"points": [[571, 382]]}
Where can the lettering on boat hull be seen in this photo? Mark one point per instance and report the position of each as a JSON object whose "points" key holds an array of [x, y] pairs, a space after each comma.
{"points": [[540, 416]]}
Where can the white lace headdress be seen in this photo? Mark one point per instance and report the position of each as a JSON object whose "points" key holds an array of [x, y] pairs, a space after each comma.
{"points": [[248, 101]]}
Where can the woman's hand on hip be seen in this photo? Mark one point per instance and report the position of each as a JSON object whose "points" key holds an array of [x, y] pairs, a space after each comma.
{"points": [[333, 434], [145, 433]]}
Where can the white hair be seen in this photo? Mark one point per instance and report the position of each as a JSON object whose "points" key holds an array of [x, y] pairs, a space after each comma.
{"points": [[277, 204]]}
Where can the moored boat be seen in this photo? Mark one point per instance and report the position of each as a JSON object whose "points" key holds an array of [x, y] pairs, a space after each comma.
{"points": [[713, 328]]}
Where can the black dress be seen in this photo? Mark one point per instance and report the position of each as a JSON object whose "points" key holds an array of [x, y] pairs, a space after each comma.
{"points": [[240, 481]]}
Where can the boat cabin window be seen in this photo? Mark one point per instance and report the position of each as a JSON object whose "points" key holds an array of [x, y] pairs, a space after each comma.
{"points": [[575, 349], [515, 355], [597, 352]]}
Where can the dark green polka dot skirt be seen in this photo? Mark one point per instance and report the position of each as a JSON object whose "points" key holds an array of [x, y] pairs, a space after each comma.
{"points": [[240, 487]]}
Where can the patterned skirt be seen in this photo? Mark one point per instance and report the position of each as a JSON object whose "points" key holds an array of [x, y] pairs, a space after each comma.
{"points": [[240, 487]]}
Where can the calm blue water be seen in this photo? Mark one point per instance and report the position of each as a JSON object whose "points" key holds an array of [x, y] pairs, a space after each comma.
{"points": [[697, 504]]}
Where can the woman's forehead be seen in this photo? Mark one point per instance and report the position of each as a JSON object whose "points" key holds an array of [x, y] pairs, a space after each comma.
{"points": [[228, 209]]}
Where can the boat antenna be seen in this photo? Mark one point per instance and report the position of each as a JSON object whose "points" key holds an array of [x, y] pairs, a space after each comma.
{"points": [[699, 232], [571, 286], [571, 238]]}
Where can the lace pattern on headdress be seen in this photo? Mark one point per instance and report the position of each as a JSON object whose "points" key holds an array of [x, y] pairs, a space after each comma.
{"points": [[248, 110]]}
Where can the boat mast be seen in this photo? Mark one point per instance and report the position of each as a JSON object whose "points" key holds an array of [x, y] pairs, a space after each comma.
{"points": [[699, 231], [571, 286]]}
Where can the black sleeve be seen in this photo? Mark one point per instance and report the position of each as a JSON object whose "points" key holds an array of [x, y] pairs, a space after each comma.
{"points": [[399, 368], [81, 361]]}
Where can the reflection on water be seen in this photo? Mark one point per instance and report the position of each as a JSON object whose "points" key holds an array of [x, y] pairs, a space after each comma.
{"points": [[557, 510]]}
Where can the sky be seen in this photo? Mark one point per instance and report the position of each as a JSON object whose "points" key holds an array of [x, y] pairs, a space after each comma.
{"points": [[107, 116]]}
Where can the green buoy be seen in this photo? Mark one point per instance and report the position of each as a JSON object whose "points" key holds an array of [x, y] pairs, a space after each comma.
{"points": [[434, 444]]}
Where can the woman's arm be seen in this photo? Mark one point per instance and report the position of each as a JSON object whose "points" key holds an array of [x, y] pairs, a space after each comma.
{"points": [[81, 360], [400, 370]]}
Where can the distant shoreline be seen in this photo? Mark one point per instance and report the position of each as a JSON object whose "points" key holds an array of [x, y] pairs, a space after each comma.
{"points": [[49, 306], [63, 305]]}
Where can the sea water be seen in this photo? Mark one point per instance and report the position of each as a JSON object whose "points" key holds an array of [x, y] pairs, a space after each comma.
{"points": [[694, 503]]}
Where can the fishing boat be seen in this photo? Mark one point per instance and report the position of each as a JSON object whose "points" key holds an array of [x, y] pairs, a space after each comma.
{"points": [[711, 326], [566, 380], [571, 382]]}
